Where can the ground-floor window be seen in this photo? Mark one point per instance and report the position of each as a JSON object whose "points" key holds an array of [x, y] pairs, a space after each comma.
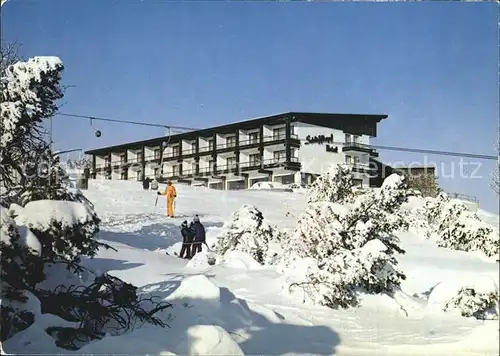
{"points": [[286, 179], [234, 185], [256, 180], [138, 175], [218, 186]]}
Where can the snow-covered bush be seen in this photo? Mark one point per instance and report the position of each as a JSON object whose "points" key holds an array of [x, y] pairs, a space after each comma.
{"points": [[477, 297], [434, 206], [21, 266], [247, 231], [471, 304], [458, 228], [418, 222], [461, 229], [454, 226], [335, 185], [67, 230], [353, 246]]}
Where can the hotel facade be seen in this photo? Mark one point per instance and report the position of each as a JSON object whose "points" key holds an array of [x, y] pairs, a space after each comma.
{"points": [[288, 148]]}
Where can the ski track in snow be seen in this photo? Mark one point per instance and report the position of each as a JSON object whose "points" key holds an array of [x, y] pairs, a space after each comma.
{"points": [[258, 316]]}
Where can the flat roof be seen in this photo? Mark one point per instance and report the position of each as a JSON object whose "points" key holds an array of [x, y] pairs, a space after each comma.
{"points": [[329, 120]]}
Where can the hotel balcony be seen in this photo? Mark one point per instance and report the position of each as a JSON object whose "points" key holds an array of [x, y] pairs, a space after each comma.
{"points": [[350, 146]]}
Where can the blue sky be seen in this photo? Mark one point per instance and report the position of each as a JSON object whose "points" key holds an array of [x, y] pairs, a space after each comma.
{"points": [[432, 67]]}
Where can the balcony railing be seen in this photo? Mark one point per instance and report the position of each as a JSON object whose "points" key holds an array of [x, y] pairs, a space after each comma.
{"points": [[352, 145], [205, 170], [360, 167], [249, 142], [189, 151]]}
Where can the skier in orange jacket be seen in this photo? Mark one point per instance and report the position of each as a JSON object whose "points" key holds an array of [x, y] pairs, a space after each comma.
{"points": [[171, 194]]}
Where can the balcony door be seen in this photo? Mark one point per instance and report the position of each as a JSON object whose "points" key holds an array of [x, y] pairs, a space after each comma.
{"points": [[253, 138], [254, 159], [279, 133], [231, 162], [279, 156], [175, 170], [175, 151], [231, 141]]}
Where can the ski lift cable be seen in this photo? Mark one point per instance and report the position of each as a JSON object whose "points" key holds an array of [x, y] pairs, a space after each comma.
{"points": [[414, 150], [88, 117]]}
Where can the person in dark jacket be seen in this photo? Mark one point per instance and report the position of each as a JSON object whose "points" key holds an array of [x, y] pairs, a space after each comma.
{"points": [[199, 235], [187, 240], [145, 183]]}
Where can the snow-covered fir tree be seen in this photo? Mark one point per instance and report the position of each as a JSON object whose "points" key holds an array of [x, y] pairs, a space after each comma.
{"points": [[353, 245], [335, 185], [29, 91], [47, 227], [247, 231]]}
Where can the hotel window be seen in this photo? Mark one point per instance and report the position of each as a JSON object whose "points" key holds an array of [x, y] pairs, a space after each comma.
{"points": [[348, 138], [279, 134], [157, 153], [231, 162], [139, 156], [211, 144], [279, 156], [122, 159], [253, 137], [356, 160], [211, 164], [254, 159], [175, 170], [231, 141], [106, 161], [175, 150], [348, 159], [157, 172]]}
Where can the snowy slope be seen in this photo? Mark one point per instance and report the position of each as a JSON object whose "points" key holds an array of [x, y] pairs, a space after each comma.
{"points": [[222, 309]]}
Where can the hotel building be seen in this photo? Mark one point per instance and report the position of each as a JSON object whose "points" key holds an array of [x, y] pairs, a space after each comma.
{"points": [[292, 147]]}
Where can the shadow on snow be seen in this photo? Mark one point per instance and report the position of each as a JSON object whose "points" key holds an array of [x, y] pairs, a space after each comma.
{"points": [[264, 332], [150, 237]]}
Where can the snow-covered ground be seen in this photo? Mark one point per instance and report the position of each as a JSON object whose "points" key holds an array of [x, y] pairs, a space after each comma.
{"points": [[240, 305]]}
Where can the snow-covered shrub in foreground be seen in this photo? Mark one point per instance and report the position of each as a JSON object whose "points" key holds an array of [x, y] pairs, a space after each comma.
{"points": [[66, 229], [352, 245], [472, 304], [247, 231], [476, 298], [335, 185], [21, 266], [461, 229]]}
